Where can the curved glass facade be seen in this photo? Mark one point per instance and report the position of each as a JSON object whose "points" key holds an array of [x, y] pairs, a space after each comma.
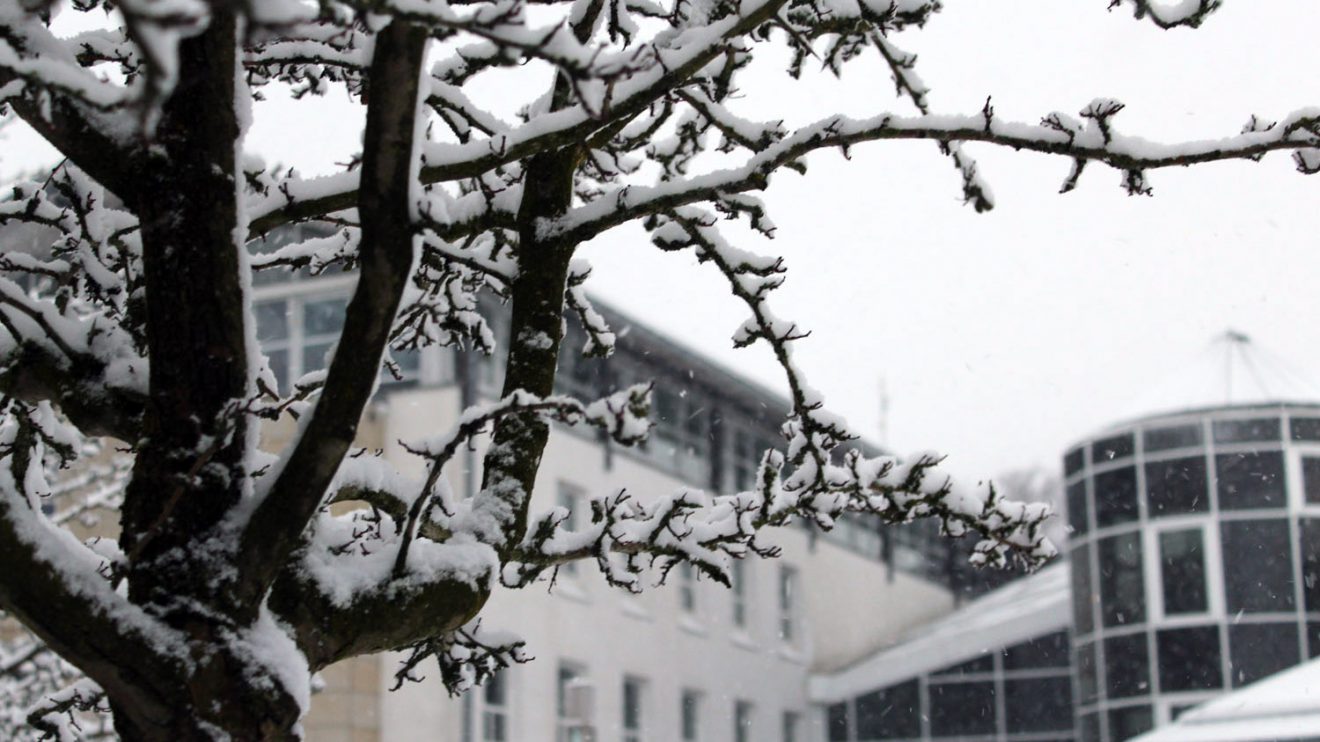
{"points": [[1195, 559]]}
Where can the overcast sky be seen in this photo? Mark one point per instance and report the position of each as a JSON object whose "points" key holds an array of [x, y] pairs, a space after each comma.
{"points": [[1002, 337]]}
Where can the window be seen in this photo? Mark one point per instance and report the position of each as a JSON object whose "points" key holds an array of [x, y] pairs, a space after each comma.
{"points": [[1177, 486], [787, 611], [739, 592], [1115, 497], [1090, 728], [1083, 594], [687, 587], [1127, 666], [632, 709], [1073, 461], [1038, 705], [1126, 723], [690, 715], [569, 704], [742, 721], [682, 429], [298, 333], [836, 722], [792, 721], [1261, 649], [1182, 571], [1077, 517], [1250, 480], [1257, 569], [1189, 659], [1050, 650], [890, 713], [1309, 533], [1164, 439], [958, 709], [1305, 428], [1247, 431], [1122, 592], [571, 499], [495, 709], [1087, 687], [1110, 449], [1311, 479]]}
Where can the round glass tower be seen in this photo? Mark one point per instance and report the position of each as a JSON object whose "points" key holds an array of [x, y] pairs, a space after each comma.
{"points": [[1195, 559]]}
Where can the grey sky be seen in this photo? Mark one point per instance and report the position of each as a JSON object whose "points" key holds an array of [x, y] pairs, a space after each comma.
{"points": [[1003, 336]]}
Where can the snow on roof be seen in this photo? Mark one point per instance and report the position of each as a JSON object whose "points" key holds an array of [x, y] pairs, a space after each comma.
{"points": [[1024, 609], [1230, 371], [1283, 706]]}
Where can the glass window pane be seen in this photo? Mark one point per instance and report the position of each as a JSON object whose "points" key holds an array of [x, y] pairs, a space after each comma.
{"points": [[632, 704], [1311, 479], [1309, 533], [1177, 486], [1257, 569], [1126, 723], [1189, 659], [1246, 431], [1127, 666], [1050, 650], [1313, 639], [1182, 568], [1115, 497], [316, 357], [324, 316], [1077, 519], [1038, 705], [1164, 439], [688, 711], [890, 713], [960, 709], [1073, 461], [1250, 480], [493, 689], [1090, 728], [272, 320], [1258, 650], [1305, 428], [1122, 591], [836, 719], [742, 721], [279, 365], [1087, 688], [1083, 593], [1110, 449]]}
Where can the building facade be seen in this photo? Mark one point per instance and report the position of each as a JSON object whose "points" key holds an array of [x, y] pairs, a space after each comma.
{"points": [[687, 661], [1194, 558]]}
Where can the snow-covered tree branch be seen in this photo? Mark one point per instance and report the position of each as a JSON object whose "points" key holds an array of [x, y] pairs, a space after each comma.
{"points": [[126, 323]]}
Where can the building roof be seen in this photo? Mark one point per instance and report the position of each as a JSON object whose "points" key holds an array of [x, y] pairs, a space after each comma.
{"points": [[1283, 706], [1024, 609], [1230, 371]]}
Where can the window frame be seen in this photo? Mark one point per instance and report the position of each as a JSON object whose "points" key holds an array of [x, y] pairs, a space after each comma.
{"points": [[1208, 525]]}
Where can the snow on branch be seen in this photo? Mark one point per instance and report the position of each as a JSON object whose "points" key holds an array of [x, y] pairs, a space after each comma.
{"points": [[1167, 15], [467, 657]]}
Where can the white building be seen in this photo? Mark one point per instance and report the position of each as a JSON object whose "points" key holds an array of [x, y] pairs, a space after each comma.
{"points": [[687, 661]]}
